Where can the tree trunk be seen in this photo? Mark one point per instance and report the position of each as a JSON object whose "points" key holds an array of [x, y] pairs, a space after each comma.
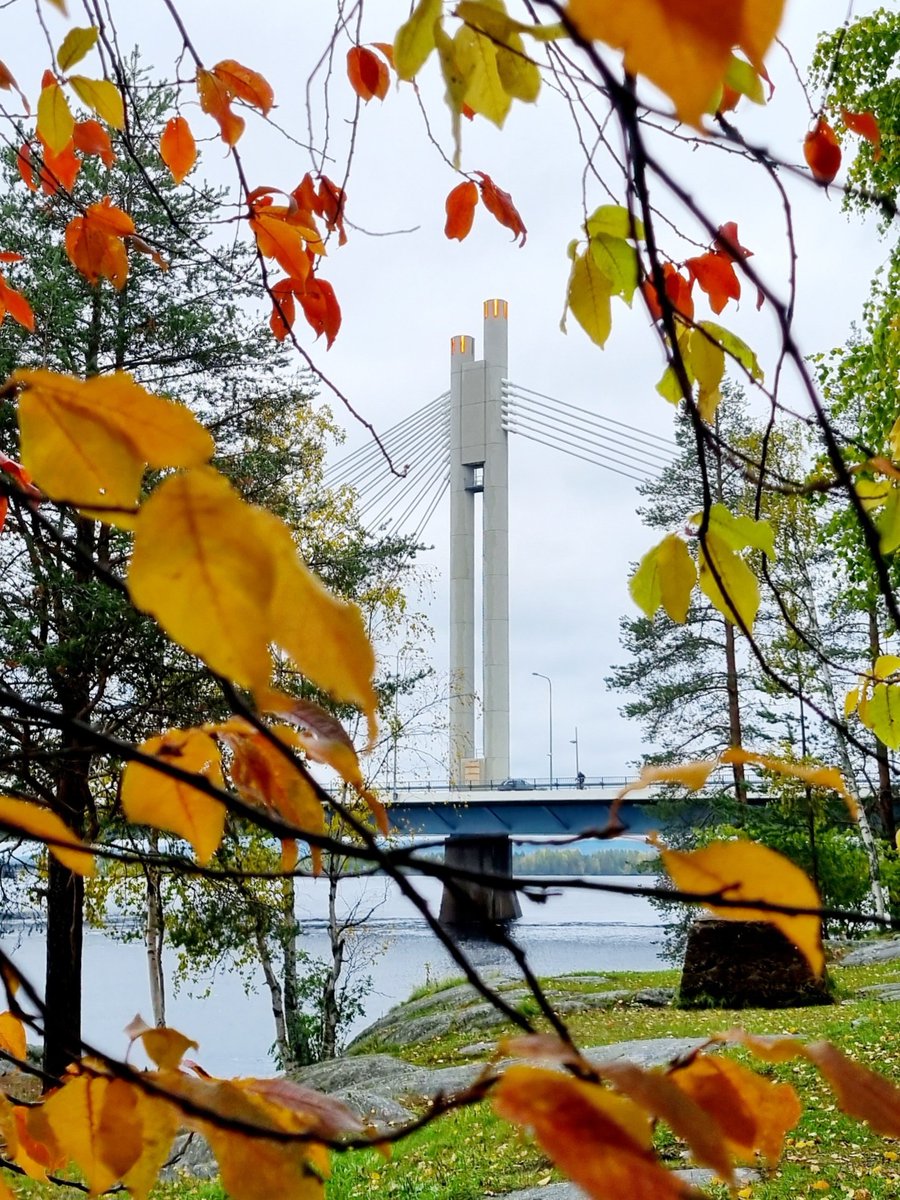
{"points": [[885, 791], [330, 1008], [735, 733], [300, 1050], [154, 936], [282, 1041]]}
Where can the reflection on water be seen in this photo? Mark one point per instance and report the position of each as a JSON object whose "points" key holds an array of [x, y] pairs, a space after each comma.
{"points": [[570, 932]]}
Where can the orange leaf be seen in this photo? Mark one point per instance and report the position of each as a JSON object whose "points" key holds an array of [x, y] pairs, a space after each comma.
{"points": [[25, 163], [321, 309], [178, 148], [815, 776], [16, 305], [860, 1092], [727, 241], [500, 205], [822, 152], [59, 169], [215, 99], [12, 1036], [368, 74], [91, 138], [94, 243], [283, 309], [678, 293], [281, 241], [35, 821], [753, 1113], [600, 1140], [460, 207], [324, 1115], [716, 275], [246, 85], [331, 200], [866, 126]]}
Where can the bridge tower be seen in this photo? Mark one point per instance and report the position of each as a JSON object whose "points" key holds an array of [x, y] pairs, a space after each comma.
{"points": [[479, 465]]}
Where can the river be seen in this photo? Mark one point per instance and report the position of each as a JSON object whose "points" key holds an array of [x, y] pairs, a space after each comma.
{"points": [[572, 931]]}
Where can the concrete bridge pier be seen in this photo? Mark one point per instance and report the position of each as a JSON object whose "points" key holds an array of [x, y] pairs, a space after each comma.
{"points": [[473, 904]]}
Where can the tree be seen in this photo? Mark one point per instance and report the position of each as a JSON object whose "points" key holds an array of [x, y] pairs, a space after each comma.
{"points": [[113, 481]]}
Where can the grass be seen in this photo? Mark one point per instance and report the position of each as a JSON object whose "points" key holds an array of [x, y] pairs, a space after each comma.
{"points": [[471, 1154]]}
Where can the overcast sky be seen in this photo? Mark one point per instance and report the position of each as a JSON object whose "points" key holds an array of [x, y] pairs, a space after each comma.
{"points": [[573, 527]]}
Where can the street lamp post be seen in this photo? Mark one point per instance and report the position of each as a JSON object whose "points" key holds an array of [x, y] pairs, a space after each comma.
{"points": [[550, 686], [574, 742]]}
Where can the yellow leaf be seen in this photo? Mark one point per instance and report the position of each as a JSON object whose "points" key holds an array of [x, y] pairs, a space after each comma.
{"points": [[815, 776], [75, 45], [20, 816], [520, 76], [681, 46], [201, 567], [753, 1113], [151, 798], [616, 259], [886, 665], [851, 702], [476, 57], [12, 1036], [708, 366], [666, 575], [600, 1140], [324, 635], [881, 713], [744, 870], [55, 123], [589, 298], [691, 775], [88, 441], [889, 522], [103, 97], [738, 596], [740, 532], [415, 38], [94, 1126], [166, 1047], [29, 1141]]}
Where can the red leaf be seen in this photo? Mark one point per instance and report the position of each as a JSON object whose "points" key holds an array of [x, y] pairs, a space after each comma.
{"points": [[727, 241], [4, 508], [460, 206], [500, 205], [321, 309], [368, 74], [866, 126], [716, 275], [822, 152], [285, 311], [91, 138], [678, 293], [468, 112]]}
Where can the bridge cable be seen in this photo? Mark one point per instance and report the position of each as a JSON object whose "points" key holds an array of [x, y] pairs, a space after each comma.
{"points": [[534, 418], [519, 391]]}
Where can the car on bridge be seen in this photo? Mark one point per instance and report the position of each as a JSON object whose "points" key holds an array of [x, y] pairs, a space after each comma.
{"points": [[515, 785]]}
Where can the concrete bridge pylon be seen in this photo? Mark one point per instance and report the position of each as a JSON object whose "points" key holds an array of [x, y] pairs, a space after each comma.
{"points": [[479, 461]]}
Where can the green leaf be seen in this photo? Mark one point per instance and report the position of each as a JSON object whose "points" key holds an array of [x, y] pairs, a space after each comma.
{"points": [[75, 45], [518, 74], [415, 39], [666, 575], [733, 345], [740, 598], [589, 298], [644, 586], [103, 97], [614, 220], [741, 77], [618, 261], [882, 714], [669, 387]]}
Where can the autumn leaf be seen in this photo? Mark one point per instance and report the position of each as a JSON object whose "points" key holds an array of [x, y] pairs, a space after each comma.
{"points": [[727, 580], [822, 151], [415, 38], [177, 148], [715, 274], [163, 1046], [678, 293], [368, 73], [102, 97], [284, 310], [59, 170], [75, 45], [665, 576], [95, 243], [692, 775], [152, 798], [682, 47], [15, 304], [813, 775], [320, 308], [34, 821], [588, 296], [55, 123], [200, 568], [600, 1140], [753, 1113], [88, 441], [861, 1093], [242, 83], [744, 870], [91, 138], [866, 126], [8, 84], [475, 57], [12, 1036], [500, 205], [460, 208], [215, 99]]}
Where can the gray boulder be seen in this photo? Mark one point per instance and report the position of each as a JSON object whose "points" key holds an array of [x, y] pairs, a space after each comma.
{"points": [[876, 951]]}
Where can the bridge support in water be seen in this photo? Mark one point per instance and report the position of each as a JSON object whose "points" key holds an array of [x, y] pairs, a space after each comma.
{"points": [[470, 904]]}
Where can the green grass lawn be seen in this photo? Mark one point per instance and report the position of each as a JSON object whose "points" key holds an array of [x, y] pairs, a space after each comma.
{"points": [[471, 1154]]}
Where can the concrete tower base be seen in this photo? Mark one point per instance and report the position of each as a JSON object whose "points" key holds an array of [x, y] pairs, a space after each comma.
{"points": [[470, 904]]}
